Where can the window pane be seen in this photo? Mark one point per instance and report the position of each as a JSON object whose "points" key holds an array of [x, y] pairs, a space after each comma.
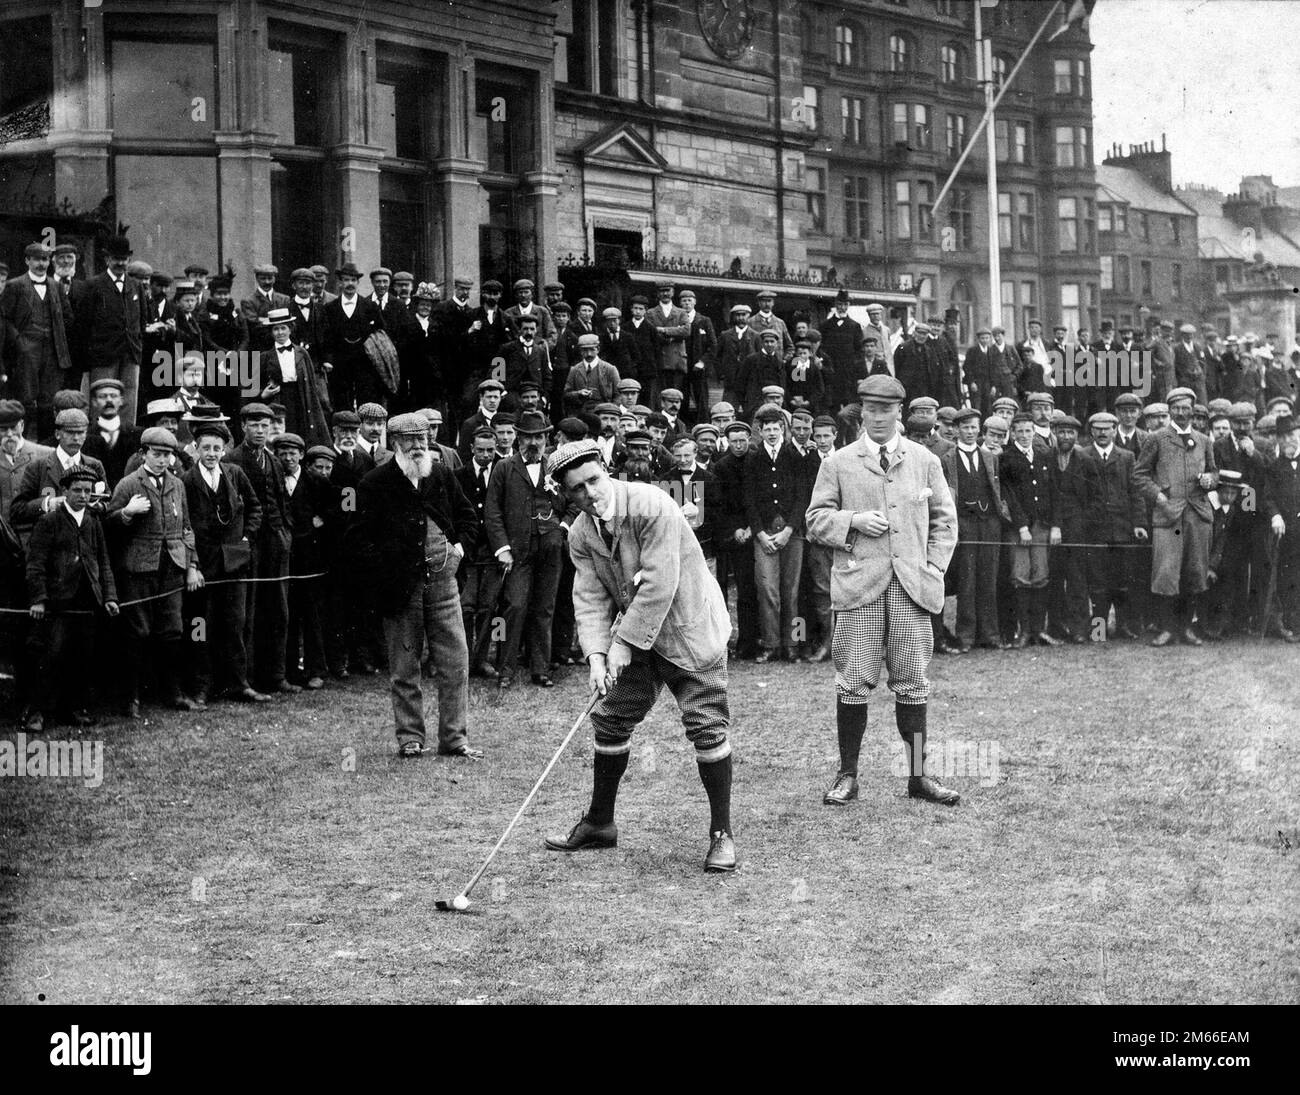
{"points": [[154, 88], [1103, 217], [903, 207], [1061, 73], [1021, 154], [1064, 146], [1003, 140], [1009, 307], [171, 204], [1107, 272]]}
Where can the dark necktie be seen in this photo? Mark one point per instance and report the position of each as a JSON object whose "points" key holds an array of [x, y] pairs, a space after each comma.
{"points": [[607, 536], [884, 459]]}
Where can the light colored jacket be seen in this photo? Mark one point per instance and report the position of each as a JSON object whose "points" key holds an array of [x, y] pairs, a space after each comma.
{"points": [[677, 609], [923, 524]]}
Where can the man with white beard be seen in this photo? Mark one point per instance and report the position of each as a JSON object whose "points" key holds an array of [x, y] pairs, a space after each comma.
{"points": [[417, 525]]}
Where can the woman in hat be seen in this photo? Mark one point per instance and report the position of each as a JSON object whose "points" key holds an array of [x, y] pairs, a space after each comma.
{"points": [[290, 377]]}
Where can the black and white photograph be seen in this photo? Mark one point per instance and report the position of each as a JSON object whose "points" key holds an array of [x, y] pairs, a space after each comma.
{"points": [[651, 502]]}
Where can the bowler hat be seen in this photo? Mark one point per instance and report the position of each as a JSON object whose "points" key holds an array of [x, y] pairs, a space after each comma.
{"points": [[348, 269]]}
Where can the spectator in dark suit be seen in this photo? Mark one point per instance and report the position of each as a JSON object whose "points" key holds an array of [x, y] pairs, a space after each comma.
{"points": [[1029, 488], [308, 316], [266, 604], [228, 331], [109, 440], [422, 380], [527, 357], [225, 515], [311, 503], [351, 629], [481, 570], [1077, 485], [1282, 509], [489, 330], [349, 321], [1117, 519], [735, 345], [158, 346], [255, 308], [69, 578], [761, 370], [916, 365], [523, 516], [701, 344], [981, 367], [34, 321], [844, 348], [16, 452], [643, 350]]}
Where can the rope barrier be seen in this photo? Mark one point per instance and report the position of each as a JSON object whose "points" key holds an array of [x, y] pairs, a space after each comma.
{"points": [[179, 589]]}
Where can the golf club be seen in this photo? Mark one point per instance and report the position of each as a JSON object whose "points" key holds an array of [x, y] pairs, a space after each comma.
{"points": [[460, 902]]}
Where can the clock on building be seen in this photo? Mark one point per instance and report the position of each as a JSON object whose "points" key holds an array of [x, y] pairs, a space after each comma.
{"points": [[727, 25]]}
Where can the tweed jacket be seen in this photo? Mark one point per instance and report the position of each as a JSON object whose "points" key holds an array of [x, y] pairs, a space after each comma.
{"points": [[11, 471], [914, 496], [677, 610], [1170, 464], [164, 530]]}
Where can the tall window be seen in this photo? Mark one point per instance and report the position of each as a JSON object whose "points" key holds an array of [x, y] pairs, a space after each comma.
{"points": [[900, 53], [851, 120], [952, 64], [1020, 142], [956, 133], [903, 209], [1089, 226], [1001, 66], [845, 44], [1004, 221], [1070, 77], [587, 43], [1123, 275], [960, 220], [1009, 308], [808, 38], [857, 207], [1176, 279], [1221, 278], [1176, 223], [1104, 222], [1071, 315], [925, 294], [1028, 301], [1067, 224], [1148, 284], [1061, 76], [1121, 220], [1107, 272], [1144, 227], [901, 133], [1002, 139], [921, 131], [963, 300], [1025, 233], [925, 211], [815, 184], [812, 99]]}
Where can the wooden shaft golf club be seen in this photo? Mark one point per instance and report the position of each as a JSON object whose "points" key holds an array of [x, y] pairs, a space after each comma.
{"points": [[545, 772]]}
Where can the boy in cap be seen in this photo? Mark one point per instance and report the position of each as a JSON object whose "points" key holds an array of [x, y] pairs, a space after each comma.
{"points": [[39, 490], [311, 505], [649, 614], [156, 561], [69, 578], [884, 588], [225, 515]]}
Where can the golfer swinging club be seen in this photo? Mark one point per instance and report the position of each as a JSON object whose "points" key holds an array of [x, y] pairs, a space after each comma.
{"points": [[635, 554], [884, 505]]}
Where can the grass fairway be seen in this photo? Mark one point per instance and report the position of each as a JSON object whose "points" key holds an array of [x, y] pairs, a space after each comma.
{"points": [[1127, 850]]}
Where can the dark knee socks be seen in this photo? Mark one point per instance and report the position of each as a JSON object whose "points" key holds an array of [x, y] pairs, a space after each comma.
{"points": [[850, 724], [911, 728], [716, 778], [607, 770]]}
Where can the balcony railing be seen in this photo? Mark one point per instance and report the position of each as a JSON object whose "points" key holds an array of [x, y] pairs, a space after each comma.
{"points": [[654, 263]]}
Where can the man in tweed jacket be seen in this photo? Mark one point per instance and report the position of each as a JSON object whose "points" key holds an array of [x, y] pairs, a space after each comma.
{"points": [[883, 505]]}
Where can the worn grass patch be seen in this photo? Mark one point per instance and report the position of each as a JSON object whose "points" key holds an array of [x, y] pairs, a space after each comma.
{"points": [[1125, 850]]}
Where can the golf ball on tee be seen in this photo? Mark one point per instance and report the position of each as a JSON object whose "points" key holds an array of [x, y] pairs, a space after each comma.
{"points": [[460, 901]]}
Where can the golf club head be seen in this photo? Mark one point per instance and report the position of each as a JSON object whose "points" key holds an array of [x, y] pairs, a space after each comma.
{"points": [[448, 905]]}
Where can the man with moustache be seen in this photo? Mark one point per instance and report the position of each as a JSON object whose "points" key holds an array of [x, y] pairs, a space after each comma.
{"points": [[109, 440], [35, 318]]}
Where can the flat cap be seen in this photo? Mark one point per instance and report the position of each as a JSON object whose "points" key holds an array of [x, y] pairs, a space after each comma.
{"points": [[719, 409], [611, 313], [947, 415], [701, 428], [138, 268], [573, 428], [211, 428], [1187, 329], [267, 268], [984, 331], [36, 251], [640, 410], [638, 437], [571, 453], [738, 427], [490, 385], [765, 294], [922, 402], [1102, 418], [411, 424], [996, 422], [629, 386], [78, 473], [1006, 401], [964, 415], [505, 419], [1242, 410], [1128, 399], [1181, 393], [381, 271], [588, 302], [586, 341], [741, 309], [156, 437], [71, 419], [773, 389], [346, 420], [492, 286], [320, 271], [1068, 421], [883, 387], [12, 412], [607, 408], [159, 278], [670, 393], [1219, 406], [255, 410], [1041, 397], [775, 336], [1156, 408], [291, 440], [107, 382], [403, 277], [1166, 324], [553, 287], [318, 452], [462, 282], [302, 273], [523, 283]]}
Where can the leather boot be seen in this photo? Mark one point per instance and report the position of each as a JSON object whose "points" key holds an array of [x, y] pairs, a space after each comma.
{"points": [[911, 720]]}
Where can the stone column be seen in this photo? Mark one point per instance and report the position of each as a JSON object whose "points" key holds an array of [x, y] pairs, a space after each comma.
{"points": [[244, 171], [357, 178], [79, 134]]}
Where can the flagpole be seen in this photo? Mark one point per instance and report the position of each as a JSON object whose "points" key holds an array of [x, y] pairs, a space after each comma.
{"points": [[988, 113], [984, 70]]}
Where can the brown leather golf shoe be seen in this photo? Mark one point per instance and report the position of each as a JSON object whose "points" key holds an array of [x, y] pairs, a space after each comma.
{"points": [[584, 835]]}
